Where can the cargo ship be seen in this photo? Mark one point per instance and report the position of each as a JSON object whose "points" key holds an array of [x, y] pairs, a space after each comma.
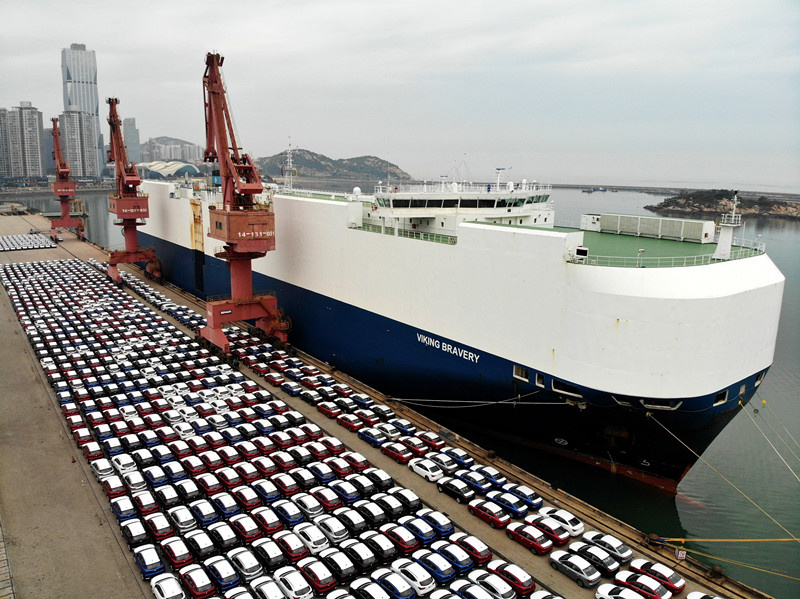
{"points": [[627, 343]]}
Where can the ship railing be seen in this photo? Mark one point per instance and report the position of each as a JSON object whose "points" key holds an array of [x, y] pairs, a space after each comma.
{"points": [[315, 194], [447, 187], [410, 234], [737, 253]]}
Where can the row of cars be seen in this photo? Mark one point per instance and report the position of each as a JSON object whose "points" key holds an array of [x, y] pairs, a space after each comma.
{"points": [[488, 494], [238, 511], [32, 241]]}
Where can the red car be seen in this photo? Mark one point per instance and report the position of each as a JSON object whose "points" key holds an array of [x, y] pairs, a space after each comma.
{"points": [[209, 484], [193, 465], [212, 460], [318, 450], [350, 421], [279, 365], [245, 528], [334, 445], [477, 549], [298, 435], [247, 450], [285, 483], [198, 444], [278, 406], [312, 430], [310, 382], [274, 379], [229, 477], [291, 545], [663, 574], [285, 461], [522, 582], [342, 390], [489, 512], [267, 520], [356, 460], [432, 440], [168, 435], [158, 526], [317, 574], [197, 581], [329, 409], [265, 466], [113, 486], [368, 417], [145, 503], [229, 455], [397, 451], [247, 471], [214, 440], [246, 497], [327, 497], [260, 368], [264, 444], [339, 466], [552, 529], [529, 537], [417, 447], [402, 538], [176, 552]]}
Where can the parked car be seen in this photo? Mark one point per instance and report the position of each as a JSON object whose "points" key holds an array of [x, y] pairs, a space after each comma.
{"points": [[575, 567]]}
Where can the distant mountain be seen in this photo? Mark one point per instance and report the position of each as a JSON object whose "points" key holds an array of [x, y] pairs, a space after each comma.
{"points": [[311, 164], [165, 140]]}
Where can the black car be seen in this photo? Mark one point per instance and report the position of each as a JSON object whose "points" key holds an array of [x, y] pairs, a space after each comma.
{"points": [[200, 544], [372, 512], [383, 482], [134, 533], [599, 558], [339, 564], [455, 488], [410, 500], [360, 554], [268, 554]]}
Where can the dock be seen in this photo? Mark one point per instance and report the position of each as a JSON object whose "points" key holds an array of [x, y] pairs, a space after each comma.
{"points": [[61, 539]]}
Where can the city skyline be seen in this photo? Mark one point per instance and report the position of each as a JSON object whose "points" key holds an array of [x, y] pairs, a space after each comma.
{"points": [[676, 93]]}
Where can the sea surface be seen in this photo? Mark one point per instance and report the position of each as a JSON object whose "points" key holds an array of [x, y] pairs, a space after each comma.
{"points": [[707, 505]]}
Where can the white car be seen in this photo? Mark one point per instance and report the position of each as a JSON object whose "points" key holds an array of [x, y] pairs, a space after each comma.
{"points": [[426, 469], [245, 563], [615, 591], [102, 468], [266, 588], [312, 537], [123, 463], [492, 583], [167, 586], [417, 576], [567, 520], [292, 583]]}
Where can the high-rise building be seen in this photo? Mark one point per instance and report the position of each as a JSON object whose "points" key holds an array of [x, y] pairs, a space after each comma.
{"points": [[49, 158], [77, 142], [79, 77], [25, 141], [130, 134], [5, 150]]}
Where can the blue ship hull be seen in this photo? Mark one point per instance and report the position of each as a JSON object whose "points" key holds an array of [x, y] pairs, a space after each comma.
{"points": [[434, 375]]}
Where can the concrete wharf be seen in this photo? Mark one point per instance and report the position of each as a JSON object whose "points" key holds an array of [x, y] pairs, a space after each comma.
{"points": [[61, 540]]}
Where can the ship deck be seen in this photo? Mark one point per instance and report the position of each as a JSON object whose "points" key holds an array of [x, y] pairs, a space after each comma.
{"points": [[75, 547]]}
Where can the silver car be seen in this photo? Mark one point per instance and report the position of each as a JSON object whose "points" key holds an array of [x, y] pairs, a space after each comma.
{"points": [[575, 567]]}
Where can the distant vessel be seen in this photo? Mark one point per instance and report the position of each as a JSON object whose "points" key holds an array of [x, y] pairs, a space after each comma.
{"points": [[599, 343]]}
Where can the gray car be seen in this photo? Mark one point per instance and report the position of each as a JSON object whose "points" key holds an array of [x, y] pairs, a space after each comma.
{"points": [[574, 566]]}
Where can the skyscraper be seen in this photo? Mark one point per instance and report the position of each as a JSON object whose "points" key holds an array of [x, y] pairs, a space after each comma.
{"points": [[79, 76], [25, 141], [5, 150], [130, 134], [77, 142]]}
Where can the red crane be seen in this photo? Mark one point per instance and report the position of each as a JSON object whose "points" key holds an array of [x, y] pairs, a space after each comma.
{"points": [[128, 203], [246, 227], [64, 189]]}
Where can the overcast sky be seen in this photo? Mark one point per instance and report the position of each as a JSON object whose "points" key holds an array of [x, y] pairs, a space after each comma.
{"points": [[565, 91]]}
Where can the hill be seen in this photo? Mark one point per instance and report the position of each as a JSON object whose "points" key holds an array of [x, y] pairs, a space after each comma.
{"points": [[713, 202], [312, 165]]}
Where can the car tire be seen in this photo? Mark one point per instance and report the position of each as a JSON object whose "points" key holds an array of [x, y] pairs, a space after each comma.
{"points": [[398, 460], [554, 565], [459, 500], [471, 511], [510, 536], [438, 488], [492, 524], [580, 583]]}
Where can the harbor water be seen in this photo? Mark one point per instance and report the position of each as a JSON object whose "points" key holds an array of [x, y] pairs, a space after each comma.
{"points": [[760, 498]]}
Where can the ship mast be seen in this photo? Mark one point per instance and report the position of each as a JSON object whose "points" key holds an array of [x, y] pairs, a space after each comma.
{"points": [[726, 227]]}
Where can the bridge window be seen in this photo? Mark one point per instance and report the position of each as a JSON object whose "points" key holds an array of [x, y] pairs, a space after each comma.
{"points": [[469, 203]]}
